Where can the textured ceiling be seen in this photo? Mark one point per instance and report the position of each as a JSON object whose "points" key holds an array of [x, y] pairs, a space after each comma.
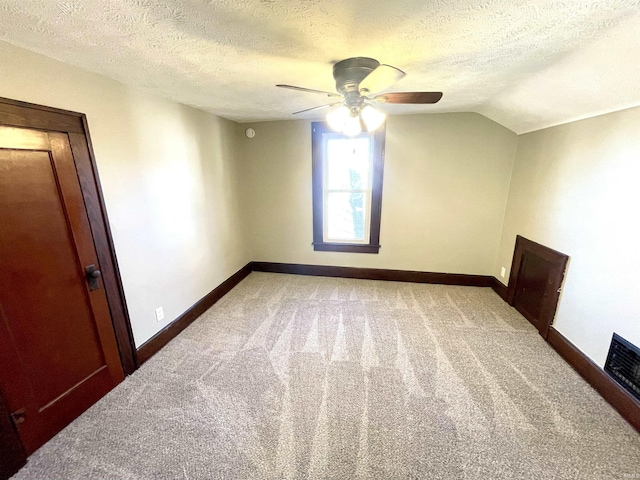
{"points": [[525, 64]]}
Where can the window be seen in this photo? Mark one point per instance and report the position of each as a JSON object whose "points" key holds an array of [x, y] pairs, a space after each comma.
{"points": [[347, 190]]}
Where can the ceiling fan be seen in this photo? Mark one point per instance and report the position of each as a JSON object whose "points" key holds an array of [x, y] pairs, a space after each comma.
{"points": [[357, 79]]}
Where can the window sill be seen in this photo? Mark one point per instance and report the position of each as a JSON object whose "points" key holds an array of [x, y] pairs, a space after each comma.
{"points": [[346, 247]]}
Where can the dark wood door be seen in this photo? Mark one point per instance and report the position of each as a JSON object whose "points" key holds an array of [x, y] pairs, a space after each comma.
{"points": [[58, 351], [531, 287], [536, 278], [13, 456]]}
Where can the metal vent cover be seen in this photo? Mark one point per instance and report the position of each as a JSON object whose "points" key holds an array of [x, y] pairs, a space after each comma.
{"points": [[623, 364]]}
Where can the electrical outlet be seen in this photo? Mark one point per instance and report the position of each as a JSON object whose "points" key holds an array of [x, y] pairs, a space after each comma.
{"points": [[159, 314], [503, 272]]}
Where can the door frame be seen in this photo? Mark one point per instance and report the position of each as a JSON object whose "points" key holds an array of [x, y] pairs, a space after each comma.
{"points": [[14, 113], [553, 288]]}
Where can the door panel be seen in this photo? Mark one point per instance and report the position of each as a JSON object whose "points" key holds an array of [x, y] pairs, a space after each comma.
{"points": [[536, 279], [43, 279], [531, 287], [59, 350]]}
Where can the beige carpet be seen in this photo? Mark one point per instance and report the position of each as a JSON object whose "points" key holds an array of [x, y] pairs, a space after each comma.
{"points": [[292, 377]]}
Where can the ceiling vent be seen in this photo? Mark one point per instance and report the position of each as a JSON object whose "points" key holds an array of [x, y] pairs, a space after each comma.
{"points": [[623, 364]]}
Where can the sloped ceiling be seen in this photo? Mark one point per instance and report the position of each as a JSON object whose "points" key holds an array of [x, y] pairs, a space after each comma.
{"points": [[524, 64]]}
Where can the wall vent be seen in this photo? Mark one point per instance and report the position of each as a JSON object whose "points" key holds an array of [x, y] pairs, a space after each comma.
{"points": [[623, 364]]}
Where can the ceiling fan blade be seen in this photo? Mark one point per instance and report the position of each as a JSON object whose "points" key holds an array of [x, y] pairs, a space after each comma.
{"points": [[310, 90], [409, 97], [317, 108], [380, 78]]}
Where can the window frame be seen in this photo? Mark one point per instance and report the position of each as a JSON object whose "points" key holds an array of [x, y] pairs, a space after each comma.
{"points": [[318, 129]]}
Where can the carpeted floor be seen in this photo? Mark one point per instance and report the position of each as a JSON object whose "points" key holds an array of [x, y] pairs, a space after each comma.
{"points": [[292, 377]]}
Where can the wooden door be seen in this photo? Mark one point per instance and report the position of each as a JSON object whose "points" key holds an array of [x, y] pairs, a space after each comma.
{"points": [[58, 351], [13, 456], [536, 278], [531, 287]]}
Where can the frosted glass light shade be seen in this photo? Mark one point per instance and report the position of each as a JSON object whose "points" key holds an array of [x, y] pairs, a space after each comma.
{"points": [[338, 117], [372, 118]]}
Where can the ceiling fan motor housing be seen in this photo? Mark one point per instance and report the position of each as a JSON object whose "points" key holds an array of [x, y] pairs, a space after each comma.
{"points": [[348, 75], [358, 77]]}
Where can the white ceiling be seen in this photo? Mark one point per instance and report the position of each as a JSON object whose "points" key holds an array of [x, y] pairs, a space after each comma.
{"points": [[525, 64]]}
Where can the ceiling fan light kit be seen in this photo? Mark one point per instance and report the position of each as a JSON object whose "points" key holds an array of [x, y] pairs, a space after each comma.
{"points": [[372, 118], [337, 118], [352, 126], [351, 121], [356, 79]]}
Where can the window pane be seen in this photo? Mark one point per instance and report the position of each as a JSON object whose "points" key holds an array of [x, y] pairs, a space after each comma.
{"points": [[348, 163], [345, 216]]}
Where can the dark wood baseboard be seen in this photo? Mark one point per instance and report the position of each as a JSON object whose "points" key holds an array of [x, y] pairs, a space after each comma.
{"points": [[168, 333], [375, 274], [500, 288], [627, 406]]}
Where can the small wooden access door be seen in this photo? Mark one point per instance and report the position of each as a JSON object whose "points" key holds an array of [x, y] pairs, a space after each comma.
{"points": [[65, 339], [536, 278]]}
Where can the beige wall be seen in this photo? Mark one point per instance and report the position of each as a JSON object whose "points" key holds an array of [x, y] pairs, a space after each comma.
{"points": [[576, 188], [446, 179], [169, 180], [191, 199]]}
